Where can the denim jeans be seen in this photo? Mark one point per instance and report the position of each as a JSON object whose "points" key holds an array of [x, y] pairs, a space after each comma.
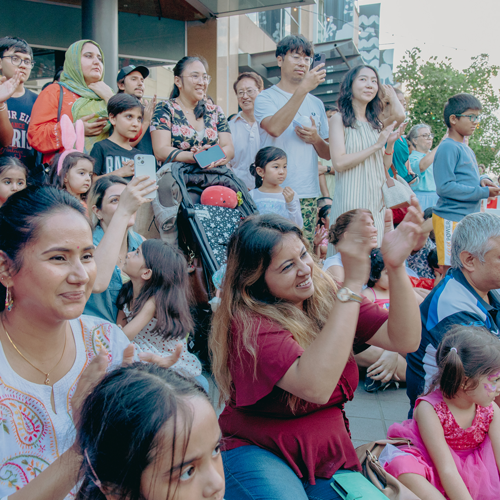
{"points": [[253, 473]]}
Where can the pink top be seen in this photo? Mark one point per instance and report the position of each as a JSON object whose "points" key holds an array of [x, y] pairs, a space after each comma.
{"points": [[315, 440], [382, 303], [456, 437]]}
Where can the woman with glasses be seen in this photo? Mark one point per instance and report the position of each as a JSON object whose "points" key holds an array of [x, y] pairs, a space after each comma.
{"points": [[421, 162], [185, 124], [84, 96]]}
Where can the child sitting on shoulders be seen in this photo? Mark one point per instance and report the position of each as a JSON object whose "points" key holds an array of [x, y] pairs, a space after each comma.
{"points": [[455, 430], [153, 307], [269, 171], [73, 174]]}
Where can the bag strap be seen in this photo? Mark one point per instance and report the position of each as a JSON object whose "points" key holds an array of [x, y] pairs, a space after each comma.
{"points": [[393, 170], [59, 108], [388, 179], [173, 155]]}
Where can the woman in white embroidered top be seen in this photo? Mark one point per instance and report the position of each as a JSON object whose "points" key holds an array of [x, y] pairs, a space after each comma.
{"points": [[269, 171], [50, 355]]}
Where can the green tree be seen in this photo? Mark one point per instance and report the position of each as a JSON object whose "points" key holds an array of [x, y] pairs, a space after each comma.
{"points": [[429, 84]]}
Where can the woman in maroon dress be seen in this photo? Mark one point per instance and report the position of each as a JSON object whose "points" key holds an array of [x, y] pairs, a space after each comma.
{"points": [[282, 344]]}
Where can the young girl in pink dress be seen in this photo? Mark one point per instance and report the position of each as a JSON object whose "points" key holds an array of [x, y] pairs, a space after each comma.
{"points": [[455, 430]]}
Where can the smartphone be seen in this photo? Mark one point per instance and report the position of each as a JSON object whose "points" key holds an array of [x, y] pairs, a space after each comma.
{"points": [[318, 59], [210, 155], [145, 165], [297, 124]]}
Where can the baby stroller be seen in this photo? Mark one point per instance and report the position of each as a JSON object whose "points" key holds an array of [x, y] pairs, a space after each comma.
{"points": [[204, 233]]}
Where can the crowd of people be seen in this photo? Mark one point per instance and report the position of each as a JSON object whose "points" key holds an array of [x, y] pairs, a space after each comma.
{"points": [[100, 396]]}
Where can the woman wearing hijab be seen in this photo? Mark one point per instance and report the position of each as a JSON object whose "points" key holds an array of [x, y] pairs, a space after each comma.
{"points": [[85, 97]]}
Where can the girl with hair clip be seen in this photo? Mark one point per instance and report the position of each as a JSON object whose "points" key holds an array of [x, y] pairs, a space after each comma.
{"points": [[160, 439], [455, 430], [73, 173], [153, 307], [72, 170], [269, 170]]}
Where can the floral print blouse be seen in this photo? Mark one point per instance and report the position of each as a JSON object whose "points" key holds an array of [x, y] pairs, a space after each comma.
{"points": [[169, 116]]}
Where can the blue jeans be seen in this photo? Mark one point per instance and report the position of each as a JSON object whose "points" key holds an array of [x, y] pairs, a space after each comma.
{"points": [[253, 473]]}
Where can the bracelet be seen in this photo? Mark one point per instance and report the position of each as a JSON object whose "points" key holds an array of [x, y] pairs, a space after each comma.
{"points": [[388, 154], [4, 107]]}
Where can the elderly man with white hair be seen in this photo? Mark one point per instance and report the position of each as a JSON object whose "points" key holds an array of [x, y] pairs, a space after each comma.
{"points": [[466, 296]]}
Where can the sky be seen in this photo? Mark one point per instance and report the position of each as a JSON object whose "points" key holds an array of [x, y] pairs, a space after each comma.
{"points": [[459, 29]]}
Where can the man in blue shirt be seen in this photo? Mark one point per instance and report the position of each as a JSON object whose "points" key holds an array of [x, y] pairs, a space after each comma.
{"points": [[466, 296]]}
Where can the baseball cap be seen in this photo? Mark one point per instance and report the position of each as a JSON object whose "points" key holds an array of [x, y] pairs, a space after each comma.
{"points": [[128, 69]]}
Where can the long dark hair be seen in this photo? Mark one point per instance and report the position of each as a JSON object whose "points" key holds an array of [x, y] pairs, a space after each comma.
{"points": [[168, 286], [57, 179], [199, 110], [97, 192], [465, 354], [377, 266], [121, 426], [323, 213], [374, 108], [262, 158], [246, 299], [21, 217]]}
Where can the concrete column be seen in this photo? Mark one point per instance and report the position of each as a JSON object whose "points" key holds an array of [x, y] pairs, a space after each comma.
{"points": [[100, 23]]}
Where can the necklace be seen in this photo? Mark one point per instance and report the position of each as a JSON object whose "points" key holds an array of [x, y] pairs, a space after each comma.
{"points": [[186, 110], [47, 379]]}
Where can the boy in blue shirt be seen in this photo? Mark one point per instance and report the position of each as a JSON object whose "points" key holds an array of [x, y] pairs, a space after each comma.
{"points": [[456, 173]]}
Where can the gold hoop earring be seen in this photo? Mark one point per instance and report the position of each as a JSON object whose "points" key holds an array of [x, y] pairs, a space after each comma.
{"points": [[8, 300]]}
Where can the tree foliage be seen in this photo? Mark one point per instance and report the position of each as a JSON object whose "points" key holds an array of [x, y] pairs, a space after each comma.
{"points": [[429, 84]]}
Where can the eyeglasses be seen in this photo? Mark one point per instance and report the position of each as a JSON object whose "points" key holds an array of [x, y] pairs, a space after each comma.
{"points": [[249, 93], [296, 59], [16, 61], [472, 118], [427, 136], [199, 78]]}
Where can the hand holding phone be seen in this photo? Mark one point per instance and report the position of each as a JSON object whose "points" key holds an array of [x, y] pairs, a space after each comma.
{"points": [[318, 59], [145, 165], [211, 155]]}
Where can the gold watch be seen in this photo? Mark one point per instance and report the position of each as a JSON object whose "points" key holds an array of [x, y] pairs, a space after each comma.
{"points": [[345, 294]]}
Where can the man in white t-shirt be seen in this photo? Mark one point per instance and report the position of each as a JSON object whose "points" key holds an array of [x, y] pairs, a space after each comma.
{"points": [[275, 110]]}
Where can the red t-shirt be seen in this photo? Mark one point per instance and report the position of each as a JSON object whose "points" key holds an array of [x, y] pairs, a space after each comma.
{"points": [[315, 441]]}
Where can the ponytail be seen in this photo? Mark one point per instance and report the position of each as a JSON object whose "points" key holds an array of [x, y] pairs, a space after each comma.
{"points": [[258, 178], [465, 354], [452, 373]]}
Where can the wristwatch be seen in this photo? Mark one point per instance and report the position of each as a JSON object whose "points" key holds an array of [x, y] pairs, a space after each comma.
{"points": [[345, 294], [328, 169]]}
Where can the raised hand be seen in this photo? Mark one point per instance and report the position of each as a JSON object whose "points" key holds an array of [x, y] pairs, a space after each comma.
{"points": [[149, 110], [397, 245], [387, 133], [8, 87], [133, 196], [355, 247], [288, 194], [313, 78]]}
